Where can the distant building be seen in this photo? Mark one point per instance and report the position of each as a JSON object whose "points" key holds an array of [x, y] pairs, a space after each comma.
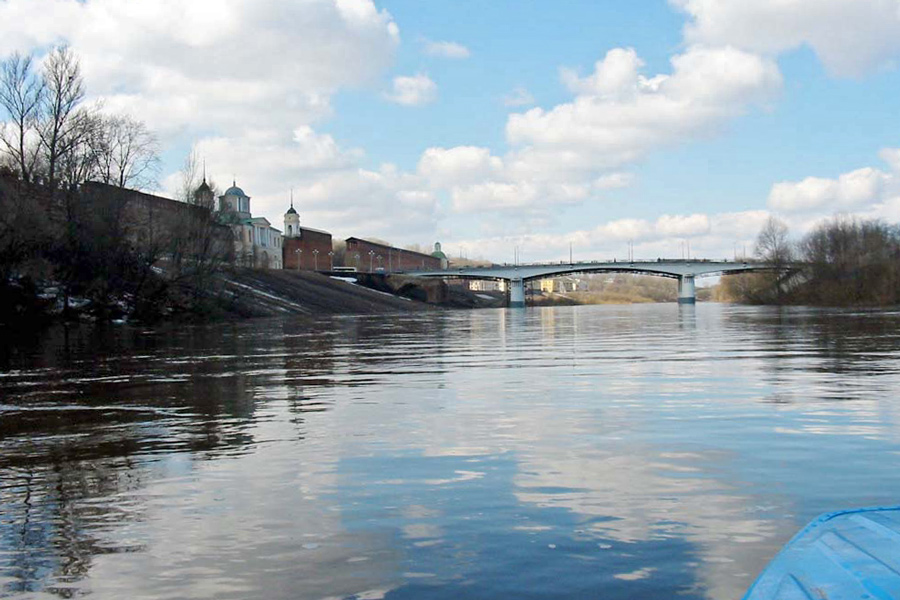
{"points": [[487, 285], [439, 254], [562, 285], [256, 243], [304, 247], [373, 256]]}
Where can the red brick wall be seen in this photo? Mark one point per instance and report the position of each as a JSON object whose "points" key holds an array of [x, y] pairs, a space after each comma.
{"points": [[307, 242], [392, 259]]}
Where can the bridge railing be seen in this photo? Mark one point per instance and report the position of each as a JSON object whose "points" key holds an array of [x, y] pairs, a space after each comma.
{"points": [[554, 263]]}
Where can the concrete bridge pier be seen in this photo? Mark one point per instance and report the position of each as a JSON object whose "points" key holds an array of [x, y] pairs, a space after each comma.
{"points": [[687, 293], [516, 293]]}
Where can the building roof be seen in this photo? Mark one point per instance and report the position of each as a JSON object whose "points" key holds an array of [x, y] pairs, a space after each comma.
{"points": [[204, 187], [234, 190], [314, 230], [291, 211]]}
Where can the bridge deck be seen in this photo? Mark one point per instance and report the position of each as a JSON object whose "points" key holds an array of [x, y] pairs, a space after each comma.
{"points": [[661, 268]]}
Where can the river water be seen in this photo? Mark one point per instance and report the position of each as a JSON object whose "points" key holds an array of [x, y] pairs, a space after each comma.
{"points": [[647, 451]]}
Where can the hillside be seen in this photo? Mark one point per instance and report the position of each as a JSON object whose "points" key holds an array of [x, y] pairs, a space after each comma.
{"points": [[276, 292]]}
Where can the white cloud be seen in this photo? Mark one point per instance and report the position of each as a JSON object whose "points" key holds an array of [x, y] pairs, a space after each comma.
{"points": [[615, 76], [571, 153], [362, 202], [444, 167], [612, 181], [849, 36], [849, 191], [493, 195], [518, 97], [619, 115], [681, 225], [212, 64], [446, 49], [413, 90], [867, 192], [714, 235]]}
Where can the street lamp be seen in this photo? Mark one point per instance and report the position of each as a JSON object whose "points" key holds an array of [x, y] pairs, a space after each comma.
{"points": [[357, 261], [331, 261], [371, 256], [316, 258], [299, 254]]}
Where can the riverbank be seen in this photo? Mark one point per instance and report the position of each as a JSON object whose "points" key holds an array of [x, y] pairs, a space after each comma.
{"points": [[241, 294]]}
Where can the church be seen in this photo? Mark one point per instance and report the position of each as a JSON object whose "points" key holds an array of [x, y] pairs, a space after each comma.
{"points": [[256, 243]]}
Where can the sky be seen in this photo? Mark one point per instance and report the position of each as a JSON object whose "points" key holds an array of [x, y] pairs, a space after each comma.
{"points": [[504, 126]]}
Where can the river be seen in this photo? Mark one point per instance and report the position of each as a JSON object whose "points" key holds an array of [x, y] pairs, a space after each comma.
{"points": [[646, 451]]}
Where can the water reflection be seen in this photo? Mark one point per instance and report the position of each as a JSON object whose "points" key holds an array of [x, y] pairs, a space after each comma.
{"points": [[641, 451]]}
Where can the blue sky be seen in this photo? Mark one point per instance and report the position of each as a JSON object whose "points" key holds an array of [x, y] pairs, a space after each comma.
{"points": [[653, 121]]}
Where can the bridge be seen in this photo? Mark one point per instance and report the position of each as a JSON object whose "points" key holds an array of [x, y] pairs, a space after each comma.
{"points": [[685, 271]]}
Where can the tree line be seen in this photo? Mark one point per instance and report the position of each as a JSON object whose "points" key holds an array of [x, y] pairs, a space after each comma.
{"points": [[844, 261], [76, 233]]}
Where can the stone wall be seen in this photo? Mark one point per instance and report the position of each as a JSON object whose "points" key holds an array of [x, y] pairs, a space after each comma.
{"points": [[391, 258], [307, 252]]}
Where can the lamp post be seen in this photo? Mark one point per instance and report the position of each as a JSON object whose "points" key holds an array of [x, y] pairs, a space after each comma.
{"points": [[331, 261], [316, 259], [378, 258], [357, 261], [299, 254], [371, 256]]}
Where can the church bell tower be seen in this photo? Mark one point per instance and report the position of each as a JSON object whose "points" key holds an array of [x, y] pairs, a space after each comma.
{"points": [[291, 221]]}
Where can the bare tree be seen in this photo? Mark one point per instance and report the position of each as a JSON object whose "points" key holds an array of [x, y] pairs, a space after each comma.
{"points": [[202, 244], [189, 177], [772, 244], [21, 91], [774, 248], [852, 262], [84, 160], [62, 119], [129, 153]]}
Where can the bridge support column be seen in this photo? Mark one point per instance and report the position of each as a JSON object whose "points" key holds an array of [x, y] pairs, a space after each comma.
{"points": [[686, 292], [516, 293]]}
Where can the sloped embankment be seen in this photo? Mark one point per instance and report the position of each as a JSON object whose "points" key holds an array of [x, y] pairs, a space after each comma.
{"points": [[274, 293]]}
